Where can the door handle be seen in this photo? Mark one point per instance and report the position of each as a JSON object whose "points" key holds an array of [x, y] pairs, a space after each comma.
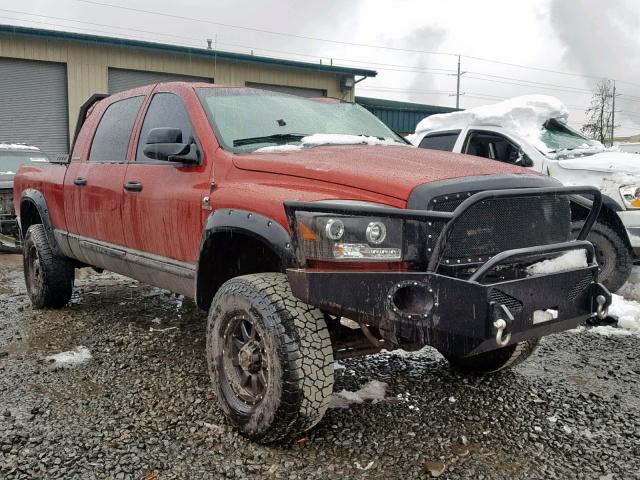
{"points": [[80, 182], [133, 186]]}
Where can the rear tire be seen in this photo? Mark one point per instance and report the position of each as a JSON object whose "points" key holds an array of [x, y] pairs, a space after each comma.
{"points": [[612, 254], [49, 277], [270, 357], [494, 360]]}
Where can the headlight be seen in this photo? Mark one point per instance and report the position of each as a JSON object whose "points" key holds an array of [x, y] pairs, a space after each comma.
{"points": [[323, 236], [631, 195]]}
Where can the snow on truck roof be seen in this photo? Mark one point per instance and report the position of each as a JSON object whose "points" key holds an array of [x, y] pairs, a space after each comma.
{"points": [[524, 115]]}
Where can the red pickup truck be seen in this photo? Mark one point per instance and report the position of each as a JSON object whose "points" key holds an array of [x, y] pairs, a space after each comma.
{"points": [[310, 232]]}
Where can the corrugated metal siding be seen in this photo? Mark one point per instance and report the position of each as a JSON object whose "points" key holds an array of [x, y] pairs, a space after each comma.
{"points": [[88, 64], [299, 91], [121, 79], [33, 104]]}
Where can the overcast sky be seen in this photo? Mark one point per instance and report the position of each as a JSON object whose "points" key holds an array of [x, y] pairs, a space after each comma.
{"points": [[585, 37]]}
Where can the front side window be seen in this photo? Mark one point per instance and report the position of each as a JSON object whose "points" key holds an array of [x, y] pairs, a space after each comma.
{"points": [[246, 119], [113, 134], [166, 110], [440, 141], [495, 147]]}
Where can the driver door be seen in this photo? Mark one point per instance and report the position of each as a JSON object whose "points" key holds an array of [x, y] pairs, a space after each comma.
{"points": [[162, 207]]}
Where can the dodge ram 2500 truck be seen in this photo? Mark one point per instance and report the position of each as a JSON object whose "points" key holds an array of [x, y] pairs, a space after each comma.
{"points": [[310, 232]]}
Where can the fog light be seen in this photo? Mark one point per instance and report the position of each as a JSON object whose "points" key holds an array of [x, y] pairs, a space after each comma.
{"points": [[334, 229], [376, 232]]}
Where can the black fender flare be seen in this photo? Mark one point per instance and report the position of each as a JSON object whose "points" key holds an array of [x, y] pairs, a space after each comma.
{"points": [[36, 198], [262, 228]]}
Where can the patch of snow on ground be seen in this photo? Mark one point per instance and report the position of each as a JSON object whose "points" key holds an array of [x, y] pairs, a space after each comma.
{"points": [[373, 390], [16, 146], [566, 261], [627, 312], [8, 173], [77, 356], [523, 115]]}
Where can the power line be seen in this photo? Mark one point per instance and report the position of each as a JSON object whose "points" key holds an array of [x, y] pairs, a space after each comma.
{"points": [[341, 42]]}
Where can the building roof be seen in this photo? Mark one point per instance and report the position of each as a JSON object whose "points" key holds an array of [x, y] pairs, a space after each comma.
{"points": [[384, 104], [177, 49]]}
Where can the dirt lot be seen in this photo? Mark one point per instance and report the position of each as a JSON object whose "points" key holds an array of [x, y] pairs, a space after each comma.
{"points": [[141, 406]]}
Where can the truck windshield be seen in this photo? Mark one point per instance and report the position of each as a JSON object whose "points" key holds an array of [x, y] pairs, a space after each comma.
{"points": [[247, 119], [559, 136], [11, 161]]}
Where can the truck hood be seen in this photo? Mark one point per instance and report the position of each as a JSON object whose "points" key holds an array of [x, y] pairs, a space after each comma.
{"points": [[389, 170], [618, 162]]}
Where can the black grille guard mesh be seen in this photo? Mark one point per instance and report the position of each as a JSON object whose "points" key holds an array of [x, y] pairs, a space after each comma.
{"points": [[466, 212]]}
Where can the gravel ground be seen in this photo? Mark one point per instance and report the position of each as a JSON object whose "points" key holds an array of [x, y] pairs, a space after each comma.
{"points": [[142, 407]]}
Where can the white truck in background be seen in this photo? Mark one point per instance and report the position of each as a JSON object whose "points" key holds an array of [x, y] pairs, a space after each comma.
{"points": [[531, 131]]}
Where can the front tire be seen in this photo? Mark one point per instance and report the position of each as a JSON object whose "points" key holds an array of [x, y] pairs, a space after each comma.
{"points": [[49, 277], [494, 360], [613, 255], [270, 357]]}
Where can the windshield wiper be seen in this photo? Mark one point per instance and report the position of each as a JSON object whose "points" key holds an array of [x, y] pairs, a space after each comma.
{"points": [[275, 138]]}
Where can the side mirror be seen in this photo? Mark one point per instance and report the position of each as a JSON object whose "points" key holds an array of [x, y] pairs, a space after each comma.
{"points": [[166, 144], [520, 158]]}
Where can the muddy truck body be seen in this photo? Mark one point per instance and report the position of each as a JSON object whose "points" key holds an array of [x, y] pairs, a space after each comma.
{"points": [[310, 232]]}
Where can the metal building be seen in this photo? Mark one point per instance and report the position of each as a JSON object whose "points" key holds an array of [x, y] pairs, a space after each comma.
{"points": [[400, 116], [45, 76]]}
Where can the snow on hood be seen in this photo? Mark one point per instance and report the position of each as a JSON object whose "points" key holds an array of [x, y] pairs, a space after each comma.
{"points": [[605, 162], [523, 115], [319, 139]]}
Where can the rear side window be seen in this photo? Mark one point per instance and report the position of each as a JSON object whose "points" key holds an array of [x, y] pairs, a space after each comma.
{"points": [[114, 131], [440, 141], [166, 110]]}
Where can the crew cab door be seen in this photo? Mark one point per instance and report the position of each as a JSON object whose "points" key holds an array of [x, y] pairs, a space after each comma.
{"points": [[93, 183], [163, 200]]}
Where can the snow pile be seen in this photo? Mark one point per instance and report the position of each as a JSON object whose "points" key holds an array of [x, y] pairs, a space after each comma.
{"points": [[8, 173], [372, 390], [523, 115], [77, 356], [567, 261], [627, 312], [320, 139], [17, 146]]}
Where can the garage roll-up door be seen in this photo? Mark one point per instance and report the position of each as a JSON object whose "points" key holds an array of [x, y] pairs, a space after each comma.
{"points": [[120, 79], [299, 91], [33, 104]]}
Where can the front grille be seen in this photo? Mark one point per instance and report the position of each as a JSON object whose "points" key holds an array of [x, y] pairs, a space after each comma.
{"points": [[495, 225], [6, 202], [580, 287]]}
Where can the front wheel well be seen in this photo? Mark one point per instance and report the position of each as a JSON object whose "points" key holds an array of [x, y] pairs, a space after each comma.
{"points": [[607, 216], [29, 215], [228, 254]]}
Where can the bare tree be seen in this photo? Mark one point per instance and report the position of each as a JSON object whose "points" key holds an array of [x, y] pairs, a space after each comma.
{"points": [[598, 125]]}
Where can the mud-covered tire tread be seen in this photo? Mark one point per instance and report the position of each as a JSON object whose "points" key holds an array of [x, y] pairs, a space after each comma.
{"points": [[494, 360], [624, 258], [57, 271], [304, 350]]}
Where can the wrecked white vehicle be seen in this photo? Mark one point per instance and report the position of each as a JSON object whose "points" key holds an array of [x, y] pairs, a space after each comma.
{"points": [[532, 131], [12, 157]]}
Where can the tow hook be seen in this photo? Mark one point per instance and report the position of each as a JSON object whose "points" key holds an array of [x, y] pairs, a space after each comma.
{"points": [[601, 310], [602, 297], [502, 320]]}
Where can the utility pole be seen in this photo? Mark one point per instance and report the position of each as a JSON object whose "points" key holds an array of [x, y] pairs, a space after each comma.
{"points": [[458, 85], [458, 92], [613, 112]]}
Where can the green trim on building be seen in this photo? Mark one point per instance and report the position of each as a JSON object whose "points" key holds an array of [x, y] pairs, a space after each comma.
{"points": [[176, 49], [400, 116]]}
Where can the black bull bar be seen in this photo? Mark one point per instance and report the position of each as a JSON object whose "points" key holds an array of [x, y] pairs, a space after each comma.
{"points": [[462, 316]]}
